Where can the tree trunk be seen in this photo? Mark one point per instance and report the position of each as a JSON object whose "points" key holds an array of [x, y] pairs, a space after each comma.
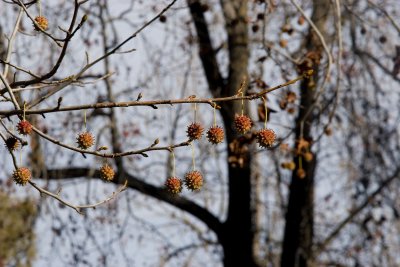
{"points": [[298, 235], [236, 235]]}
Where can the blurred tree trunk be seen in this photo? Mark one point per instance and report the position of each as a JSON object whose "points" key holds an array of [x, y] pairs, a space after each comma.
{"points": [[236, 235], [298, 235]]}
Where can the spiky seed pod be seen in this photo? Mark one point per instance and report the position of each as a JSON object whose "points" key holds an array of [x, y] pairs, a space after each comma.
{"points": [[85, 140], [290, 165], [194, 131], [301, 20], [24, 127], [283, 43], [12, 143], [193, 180], [291, 97], [308, 156], [255, 27], [215, 135], [243, 123], [283, 104], [301, 173], [163, 18], [266, 138], [302, 146], [21, 176], [173, 185], [42, 22], [328, 131], [107, 172]]}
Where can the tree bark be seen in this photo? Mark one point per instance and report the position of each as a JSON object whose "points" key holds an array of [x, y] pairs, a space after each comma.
{"points": [[298, 235], [237, 233]]}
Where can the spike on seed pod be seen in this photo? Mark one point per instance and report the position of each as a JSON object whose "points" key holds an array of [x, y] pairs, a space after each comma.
{"points": [[107, 172], [21, 176], [24, 127], [42, 22], [215, 135], [173, 185], [266, 138], [194, 131], [12, 143], [193, 180], [85, 140], [243, 123]]}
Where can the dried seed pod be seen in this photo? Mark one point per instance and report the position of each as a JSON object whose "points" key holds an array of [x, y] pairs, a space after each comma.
{"points": [[21, 176], [301, 173], [85, 140], [215, 135], [308, 156], [193, 180], [12, 143], [243, 124], [42, 22], [194, 131], [266, 138], [290, 165], [107, 172], [173, 185], [24, 127]]}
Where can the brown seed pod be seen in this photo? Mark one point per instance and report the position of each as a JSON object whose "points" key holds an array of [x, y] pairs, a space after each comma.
{"points": [[283, 104], [291, 97], [215, 135], [328, 131], [107, 172], [243, 123], [266, 138], [194, 131], [255, 28], [308, 156], [24, 127], [42, 22], [21, 176], [301, 173], [163, 18], [12, 143], [290, 165], [85, 140], [302, 146], [193, 180], [283, 43], [173, 185], [301, 20], [287, 29]]}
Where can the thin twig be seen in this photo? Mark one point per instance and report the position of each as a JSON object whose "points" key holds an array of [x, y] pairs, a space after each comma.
{"points": [[78, 208], [142, 152], [11, 41], [153, 103], [14, 100]]}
